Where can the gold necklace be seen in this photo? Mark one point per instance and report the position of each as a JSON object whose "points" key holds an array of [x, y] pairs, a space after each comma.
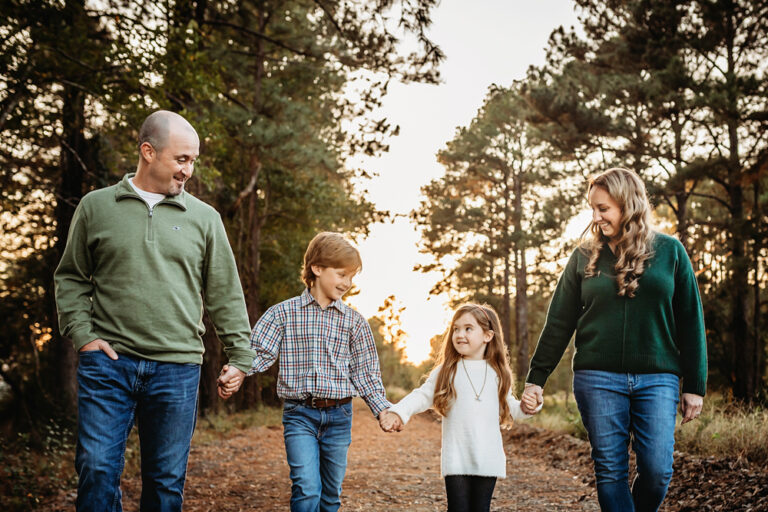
{"points": [[485, 375]]}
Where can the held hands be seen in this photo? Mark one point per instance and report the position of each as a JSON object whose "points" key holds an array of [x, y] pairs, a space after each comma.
{"points": [[690, 406], [100, 344], [390, 421], [533, 397], [229, 381]]}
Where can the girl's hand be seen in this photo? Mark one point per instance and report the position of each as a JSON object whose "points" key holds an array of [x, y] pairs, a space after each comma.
{"points": [[690, 406], [533, 396], [390, 422]]}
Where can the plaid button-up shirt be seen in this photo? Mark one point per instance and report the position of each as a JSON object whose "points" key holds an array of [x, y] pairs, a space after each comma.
{"points": [[324, 353]]}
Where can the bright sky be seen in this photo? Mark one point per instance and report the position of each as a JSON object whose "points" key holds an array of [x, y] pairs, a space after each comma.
{"points": [[485, 42]]}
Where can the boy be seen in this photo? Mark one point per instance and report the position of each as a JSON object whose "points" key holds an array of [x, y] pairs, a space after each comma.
{"points": [[327, 355]]}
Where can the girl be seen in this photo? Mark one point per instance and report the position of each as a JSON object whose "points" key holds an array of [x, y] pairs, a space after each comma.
{"points": [[469, 387], [630, 295]]}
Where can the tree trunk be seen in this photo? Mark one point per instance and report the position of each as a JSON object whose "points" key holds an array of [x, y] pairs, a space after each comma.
{"points": [[70, 191], [521, 286], [743, 343], [506, 246], [212, 363]]}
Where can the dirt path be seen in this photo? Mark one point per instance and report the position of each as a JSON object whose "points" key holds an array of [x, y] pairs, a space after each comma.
{"points": [[546, 471], [247, 471]]}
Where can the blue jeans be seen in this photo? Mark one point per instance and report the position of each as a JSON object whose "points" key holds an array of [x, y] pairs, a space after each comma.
{"points": [[316, 445], [162, 399], [615, 405]]}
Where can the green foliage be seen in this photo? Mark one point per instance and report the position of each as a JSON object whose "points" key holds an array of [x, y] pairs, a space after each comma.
{"points": [[270, 89], [501, 203], [30, 473], [655, 86]]}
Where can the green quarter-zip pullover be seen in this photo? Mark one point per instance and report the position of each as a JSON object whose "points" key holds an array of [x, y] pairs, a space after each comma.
{"points": [[660, 330], [138, 278]]}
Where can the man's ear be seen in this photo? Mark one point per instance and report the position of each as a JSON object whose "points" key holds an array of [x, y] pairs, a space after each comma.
{"points": [[148, 153], [316, 269]]}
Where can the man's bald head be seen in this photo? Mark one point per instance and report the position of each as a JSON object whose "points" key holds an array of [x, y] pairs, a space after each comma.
{"points": [[158, 125]]}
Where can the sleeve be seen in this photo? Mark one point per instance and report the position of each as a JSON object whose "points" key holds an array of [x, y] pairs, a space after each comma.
{"points": [[364, 371], [418, 400], [266, 338], [514, 408], [73, 283], [223, 298], [562, 316], [689, 324]]}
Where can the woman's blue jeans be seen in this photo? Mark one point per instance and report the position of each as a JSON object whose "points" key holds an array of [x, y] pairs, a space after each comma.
{"points": [[162, 399], [316, 445], [615, 406]]}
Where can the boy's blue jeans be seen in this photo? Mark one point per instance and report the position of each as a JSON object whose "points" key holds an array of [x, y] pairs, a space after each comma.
{"points": [[615, 405], [162, 399], [316, 445]]}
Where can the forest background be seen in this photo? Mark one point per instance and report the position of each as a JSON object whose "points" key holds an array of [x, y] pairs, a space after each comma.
{"points": [[286, 97]]}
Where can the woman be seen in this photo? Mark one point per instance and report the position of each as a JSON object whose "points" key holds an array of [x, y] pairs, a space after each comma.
{"points": [[631, 296]]}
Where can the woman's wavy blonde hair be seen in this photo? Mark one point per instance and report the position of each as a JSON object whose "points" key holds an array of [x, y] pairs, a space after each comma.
{"points": [[495, 354], [634, 245]]}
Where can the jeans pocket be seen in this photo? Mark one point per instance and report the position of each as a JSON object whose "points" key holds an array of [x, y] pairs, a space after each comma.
{"points": [[346, 409], [290, 406], [91, 359]]}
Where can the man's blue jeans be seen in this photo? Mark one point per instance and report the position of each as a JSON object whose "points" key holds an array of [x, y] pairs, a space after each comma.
{"points": [[615, 405], [162, 399], [316, 445]]}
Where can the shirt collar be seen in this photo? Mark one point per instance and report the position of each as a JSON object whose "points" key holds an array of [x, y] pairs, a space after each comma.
{"points": [[306, 299], [124, 189]]}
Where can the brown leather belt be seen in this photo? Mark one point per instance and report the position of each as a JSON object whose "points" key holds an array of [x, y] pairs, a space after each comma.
{"points": [[321, 403]]}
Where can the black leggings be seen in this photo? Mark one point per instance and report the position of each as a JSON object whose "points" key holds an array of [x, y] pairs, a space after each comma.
{"points": [[467, 493]]}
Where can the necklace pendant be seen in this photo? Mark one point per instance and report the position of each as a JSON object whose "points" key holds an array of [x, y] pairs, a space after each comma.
{"points": [[477, 397]]}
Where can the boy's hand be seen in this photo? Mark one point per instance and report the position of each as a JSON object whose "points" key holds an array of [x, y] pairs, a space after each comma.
{"points": [[533, 396], [229, 381], [390, 422]]}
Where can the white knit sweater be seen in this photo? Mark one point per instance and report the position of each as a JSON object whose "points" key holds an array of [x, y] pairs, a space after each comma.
{"points": [[471, 432]]}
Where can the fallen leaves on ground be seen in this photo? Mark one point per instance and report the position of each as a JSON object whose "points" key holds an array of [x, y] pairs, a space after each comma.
{"points": [[401, 472]]}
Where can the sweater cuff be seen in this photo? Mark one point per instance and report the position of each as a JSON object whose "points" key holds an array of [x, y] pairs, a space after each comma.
{"points": [[81, 337], [537, 376], [404, 416], [695, 387], [241, 358], [377, 403]]}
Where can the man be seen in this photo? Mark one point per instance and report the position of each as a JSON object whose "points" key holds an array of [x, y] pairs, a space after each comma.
{"points": [[142, 259]]}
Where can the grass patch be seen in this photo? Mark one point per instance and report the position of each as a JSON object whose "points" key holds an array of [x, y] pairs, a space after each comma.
{"points": [[560, 414], [724, 429], [213, 427]]}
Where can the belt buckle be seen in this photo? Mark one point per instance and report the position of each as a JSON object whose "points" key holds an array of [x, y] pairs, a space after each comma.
{"points": [[312, 402]]}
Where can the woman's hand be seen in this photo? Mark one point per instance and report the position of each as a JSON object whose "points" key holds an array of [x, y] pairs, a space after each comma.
{"points": [[690, 406], [533, 396]]}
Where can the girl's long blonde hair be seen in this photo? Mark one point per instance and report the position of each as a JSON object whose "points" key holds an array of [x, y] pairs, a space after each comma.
{"points": [[495, 354], [634, 245]]}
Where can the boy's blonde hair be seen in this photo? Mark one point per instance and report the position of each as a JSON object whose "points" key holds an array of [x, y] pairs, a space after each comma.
{"points": [[329, 249]]}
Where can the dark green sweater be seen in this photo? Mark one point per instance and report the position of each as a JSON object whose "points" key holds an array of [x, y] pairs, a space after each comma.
{"points": [[660, 330], [139, 279]]}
